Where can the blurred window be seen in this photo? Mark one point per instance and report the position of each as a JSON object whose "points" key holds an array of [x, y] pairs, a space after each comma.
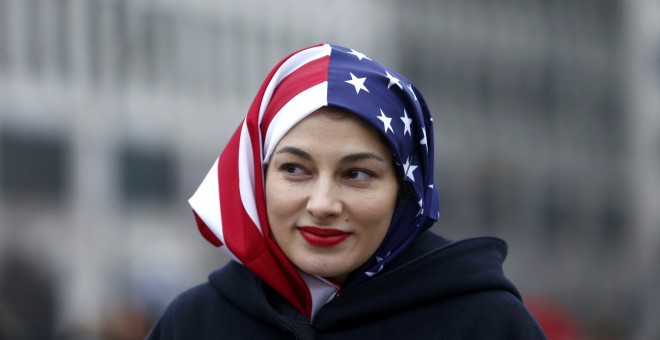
{"points": [[168, 48], [188, 62], [487, 199], [548, 91], [216, 59], [32, 25], [4, 35], [33, 167], [149, 43], [164, 44], [94, 35], [179, 57], [147, 175], [63, 37], [239, 31], [557, 210], [613, 220], [122, 43]]}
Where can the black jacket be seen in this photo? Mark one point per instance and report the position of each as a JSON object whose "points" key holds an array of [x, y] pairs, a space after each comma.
{"points": [[437, 289]]}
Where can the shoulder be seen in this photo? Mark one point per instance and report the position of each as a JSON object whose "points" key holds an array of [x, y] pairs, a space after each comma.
{"points": [[497, 314], [438, 286], [489, 304], [231, 305], [197, 300], [187, 313], [201, 312]]}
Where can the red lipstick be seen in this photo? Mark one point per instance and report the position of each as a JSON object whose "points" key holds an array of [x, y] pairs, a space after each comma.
{"points": [[323, 237]]}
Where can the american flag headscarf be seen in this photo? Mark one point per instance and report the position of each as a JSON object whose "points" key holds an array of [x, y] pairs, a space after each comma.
{"points": [[229, 206]]}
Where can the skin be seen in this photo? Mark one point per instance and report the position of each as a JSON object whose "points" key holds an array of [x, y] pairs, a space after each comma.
{"points": [[331, 170]]}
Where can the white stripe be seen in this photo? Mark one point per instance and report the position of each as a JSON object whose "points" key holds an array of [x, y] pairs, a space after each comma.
{"points": [[321, 290], [291, 113], [246, 176], [293, 63], [245, 165], [206, 202]]}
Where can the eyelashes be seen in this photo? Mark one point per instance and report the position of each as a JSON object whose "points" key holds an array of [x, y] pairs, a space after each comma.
{"points": [[359, 174], [352, 174], [293, 169]]}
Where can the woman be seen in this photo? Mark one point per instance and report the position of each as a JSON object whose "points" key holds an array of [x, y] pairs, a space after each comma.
{"points": [[323, 197]]}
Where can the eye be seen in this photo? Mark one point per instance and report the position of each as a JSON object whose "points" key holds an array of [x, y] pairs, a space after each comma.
{"points": [[292, 169], [358, 175]]}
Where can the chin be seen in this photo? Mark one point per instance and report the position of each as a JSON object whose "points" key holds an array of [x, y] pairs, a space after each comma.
{"points": [[335, 274]]}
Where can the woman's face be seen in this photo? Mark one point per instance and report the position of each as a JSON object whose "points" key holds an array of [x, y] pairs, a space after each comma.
{"points": [[331, 190]]}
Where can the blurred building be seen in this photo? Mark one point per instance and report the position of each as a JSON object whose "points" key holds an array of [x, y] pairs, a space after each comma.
{"points": [[546, 114], [643, 158], [111, 113], [533, 140]]}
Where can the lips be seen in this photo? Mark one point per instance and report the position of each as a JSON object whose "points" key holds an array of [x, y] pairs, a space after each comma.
{"points": [[323, 237]]}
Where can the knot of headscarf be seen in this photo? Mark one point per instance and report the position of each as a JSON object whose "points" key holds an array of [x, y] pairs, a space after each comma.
{"points": [[229, 205]]}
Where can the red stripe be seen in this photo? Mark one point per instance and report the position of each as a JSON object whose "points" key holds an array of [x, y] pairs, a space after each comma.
{"points": [[308, 75], [259, 252], [239, 231]]}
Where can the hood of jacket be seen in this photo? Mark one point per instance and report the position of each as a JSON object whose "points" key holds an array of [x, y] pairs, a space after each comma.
{"points": [[433, 269]]}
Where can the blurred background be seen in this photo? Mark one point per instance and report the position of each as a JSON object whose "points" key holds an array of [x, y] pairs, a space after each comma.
{"points": [[547, 118]]}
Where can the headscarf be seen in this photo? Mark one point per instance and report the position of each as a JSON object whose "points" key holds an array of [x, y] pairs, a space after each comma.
{"points": [[229, 206]]}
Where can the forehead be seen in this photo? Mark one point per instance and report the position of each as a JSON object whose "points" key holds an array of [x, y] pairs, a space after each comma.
{"points": [[336, 129]]}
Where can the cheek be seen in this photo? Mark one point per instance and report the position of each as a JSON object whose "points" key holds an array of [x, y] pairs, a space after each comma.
{"points": [[280, 201], [273, 200], [274, 211], [377, 208]]}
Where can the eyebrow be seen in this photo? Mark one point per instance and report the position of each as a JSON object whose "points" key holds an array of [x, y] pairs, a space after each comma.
{"points": [[295, 151], [346, 159]]}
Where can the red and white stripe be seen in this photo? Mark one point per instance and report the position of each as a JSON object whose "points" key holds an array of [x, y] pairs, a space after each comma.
{"points": [[229, 205]]}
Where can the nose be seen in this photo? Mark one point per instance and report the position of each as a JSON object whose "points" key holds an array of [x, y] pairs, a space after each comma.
{"points": [[324, 201]]}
